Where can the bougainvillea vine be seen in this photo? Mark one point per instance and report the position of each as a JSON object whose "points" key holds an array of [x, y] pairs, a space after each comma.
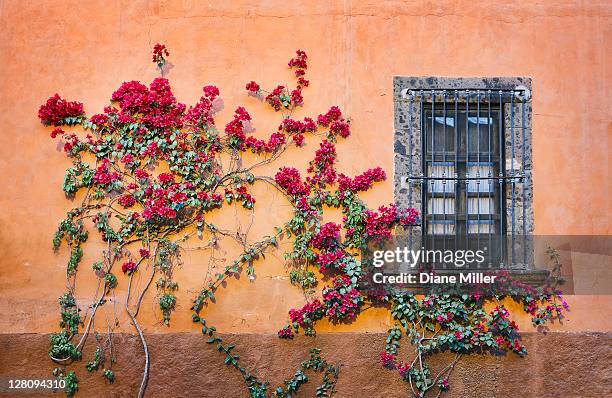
{"points": [[149, 172]]}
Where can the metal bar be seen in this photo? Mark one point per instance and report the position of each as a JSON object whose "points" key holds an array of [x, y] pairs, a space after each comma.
{"points": [[410, 110], [508, 177], [467, 159], [433, 155], [490, 174], [513, 90], [437, 216], [512, 181], [524, 185], [478, 170], [424, 185], [501, 177], [411, 152], [456, 167], [444, 169]]}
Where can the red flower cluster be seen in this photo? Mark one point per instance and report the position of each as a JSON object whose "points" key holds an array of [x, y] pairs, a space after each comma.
{"points": [[235, 129], [323, 165], [333, 119], [286, 332], [299, 61], [311, 311], [166, 202], [132, 96], [290, 180], [277, 98], [378, 224], [141, 174], [71, 142], [126, 200], [158, 208], [280, 97], [127, 158], [57, 131], [334, 113], [444, 318], [253, 87], [298, 139], [217, 198], [340, 127], [292, 126], [387, 359], [327, 260], [159, 51], [342, 300], [327, 237], [408, 217], [156, 107], [56, 110], [144, 252], [102, 176], [274, 142], [403, 368], [129, 266], [242, 194], [99, 119], [362, 182], [151, 150], [201, 114], [296, 96], [211, 92], [165, 178]]}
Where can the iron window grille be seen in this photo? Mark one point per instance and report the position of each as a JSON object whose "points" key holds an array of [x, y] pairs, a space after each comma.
{"points": [[463, 159]]}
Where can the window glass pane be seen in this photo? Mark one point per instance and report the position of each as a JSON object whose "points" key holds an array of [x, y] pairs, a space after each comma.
{"points": [[483, 131], [481, 226], [441, 170], [442, 143], [481, 206], [478, 170], [441, 227], [441, 206]]}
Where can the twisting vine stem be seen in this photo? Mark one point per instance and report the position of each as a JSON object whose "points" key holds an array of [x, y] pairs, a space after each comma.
{"points": [[145, 375]]}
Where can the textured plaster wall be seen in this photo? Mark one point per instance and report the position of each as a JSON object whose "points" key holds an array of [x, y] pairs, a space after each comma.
{"points": [[577, 368], [84, 50]]}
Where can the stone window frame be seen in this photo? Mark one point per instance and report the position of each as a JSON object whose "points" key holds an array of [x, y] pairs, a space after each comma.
{"points": [[408, 124]]}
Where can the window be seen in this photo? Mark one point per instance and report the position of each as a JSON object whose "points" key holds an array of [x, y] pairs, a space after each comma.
{"points": [[463, 159]]}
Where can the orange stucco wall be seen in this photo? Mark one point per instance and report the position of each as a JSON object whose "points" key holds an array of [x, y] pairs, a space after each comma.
{"points": [[84, 50]]}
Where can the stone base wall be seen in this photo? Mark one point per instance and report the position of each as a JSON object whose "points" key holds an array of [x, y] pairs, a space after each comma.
{"points": [[183, 365]]}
